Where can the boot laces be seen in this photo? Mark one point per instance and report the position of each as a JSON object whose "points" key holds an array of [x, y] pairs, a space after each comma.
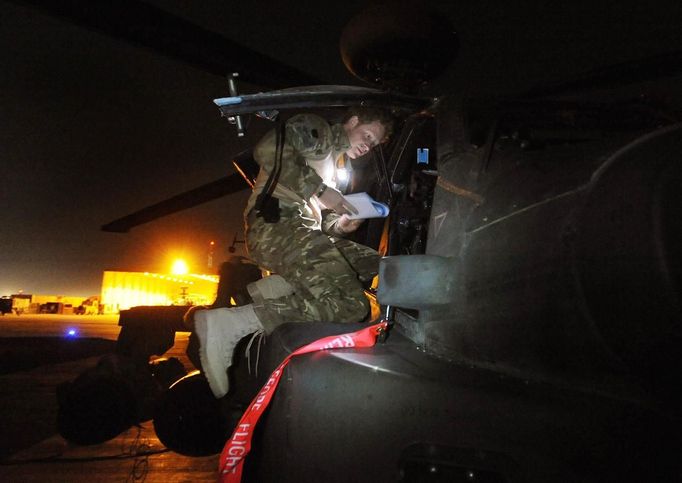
{"points": [[260, 335]]}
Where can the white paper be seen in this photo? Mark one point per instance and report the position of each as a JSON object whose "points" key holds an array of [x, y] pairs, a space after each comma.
{"points": [[366, 206]]}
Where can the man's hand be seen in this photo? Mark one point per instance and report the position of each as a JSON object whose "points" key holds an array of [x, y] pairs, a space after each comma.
{"points": [[333, 200], [346, 225]]}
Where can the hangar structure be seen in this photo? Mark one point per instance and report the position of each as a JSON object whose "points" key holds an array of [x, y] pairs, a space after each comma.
{"points": [[123, 290]]}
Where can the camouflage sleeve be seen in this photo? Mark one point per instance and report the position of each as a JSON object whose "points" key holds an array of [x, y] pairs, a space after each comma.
{"points": [[307, 136], [328, 225]]}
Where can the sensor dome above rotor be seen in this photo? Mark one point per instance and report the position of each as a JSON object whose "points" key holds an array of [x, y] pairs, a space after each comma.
{"points": [[399, 46]]}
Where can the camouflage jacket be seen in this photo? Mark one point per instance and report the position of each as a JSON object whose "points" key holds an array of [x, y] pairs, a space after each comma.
{"points": [[311, 148]]}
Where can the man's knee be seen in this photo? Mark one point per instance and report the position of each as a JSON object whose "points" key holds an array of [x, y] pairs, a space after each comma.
{"points": [[354, 310], [351, 306]]}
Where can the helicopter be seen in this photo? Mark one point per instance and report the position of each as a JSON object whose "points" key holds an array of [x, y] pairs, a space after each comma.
{"points": [[542, 340]]}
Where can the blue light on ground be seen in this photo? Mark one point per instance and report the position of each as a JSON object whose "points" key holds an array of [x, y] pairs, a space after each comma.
{"points": [[71, 333]]}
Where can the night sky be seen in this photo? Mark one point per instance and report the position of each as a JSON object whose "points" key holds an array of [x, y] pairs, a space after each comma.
{"points": [[93, 128]]}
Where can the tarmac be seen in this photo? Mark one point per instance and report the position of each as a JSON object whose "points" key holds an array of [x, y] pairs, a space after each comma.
{"points": [[35, 358]]}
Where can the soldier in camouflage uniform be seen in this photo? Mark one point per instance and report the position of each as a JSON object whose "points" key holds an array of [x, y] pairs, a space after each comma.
{"points": [[320, 274]]}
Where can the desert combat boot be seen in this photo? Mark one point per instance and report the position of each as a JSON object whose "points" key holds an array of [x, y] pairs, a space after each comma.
{"points": [[219, 331]]}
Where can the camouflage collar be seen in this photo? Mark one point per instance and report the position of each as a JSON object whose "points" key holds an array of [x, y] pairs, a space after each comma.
{"points": [[339, 138]]}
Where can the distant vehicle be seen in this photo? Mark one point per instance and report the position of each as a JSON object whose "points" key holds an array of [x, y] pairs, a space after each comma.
{"points": [[21, 302], [5, 305], [52, 308], [90, 306]]}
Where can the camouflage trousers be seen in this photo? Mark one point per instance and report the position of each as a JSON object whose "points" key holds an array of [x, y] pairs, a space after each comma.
{"points": [[325, 272]]}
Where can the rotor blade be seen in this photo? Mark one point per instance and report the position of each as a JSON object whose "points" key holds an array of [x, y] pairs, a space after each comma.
{"points": [[626, 73], [208, 192], [307, 97], [148, 26]]}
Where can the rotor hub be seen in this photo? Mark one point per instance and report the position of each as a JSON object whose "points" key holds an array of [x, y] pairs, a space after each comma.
{"points": [[401, 46]]}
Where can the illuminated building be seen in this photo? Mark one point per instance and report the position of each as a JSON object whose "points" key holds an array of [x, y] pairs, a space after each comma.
{"points": [[123, 290]]}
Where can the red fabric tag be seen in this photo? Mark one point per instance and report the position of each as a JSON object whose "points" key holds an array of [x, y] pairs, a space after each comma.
{"points": [[239, 444]]}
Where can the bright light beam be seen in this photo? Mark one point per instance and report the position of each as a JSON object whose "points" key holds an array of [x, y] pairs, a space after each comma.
{"points": [[179, 267]]}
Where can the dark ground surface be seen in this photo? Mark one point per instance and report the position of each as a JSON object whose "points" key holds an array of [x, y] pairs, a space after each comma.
{"points": [[28, 405], [31, 368], [24, 353]]}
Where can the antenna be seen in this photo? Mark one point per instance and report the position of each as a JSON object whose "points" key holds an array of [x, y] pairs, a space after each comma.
{"points": [[211, 247], [236, 120]]}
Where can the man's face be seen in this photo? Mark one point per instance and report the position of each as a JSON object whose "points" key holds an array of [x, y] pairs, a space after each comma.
{"points": [[363, 137]]}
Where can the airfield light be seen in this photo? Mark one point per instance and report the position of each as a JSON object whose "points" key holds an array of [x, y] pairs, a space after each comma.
{"points": [[179, 268], [71, 332]]}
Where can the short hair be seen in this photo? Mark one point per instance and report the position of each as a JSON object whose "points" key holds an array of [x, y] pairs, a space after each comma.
{"points": [[368, 115]]}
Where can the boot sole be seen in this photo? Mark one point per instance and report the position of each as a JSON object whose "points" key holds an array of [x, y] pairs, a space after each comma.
{"points": [[219, 386]]}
